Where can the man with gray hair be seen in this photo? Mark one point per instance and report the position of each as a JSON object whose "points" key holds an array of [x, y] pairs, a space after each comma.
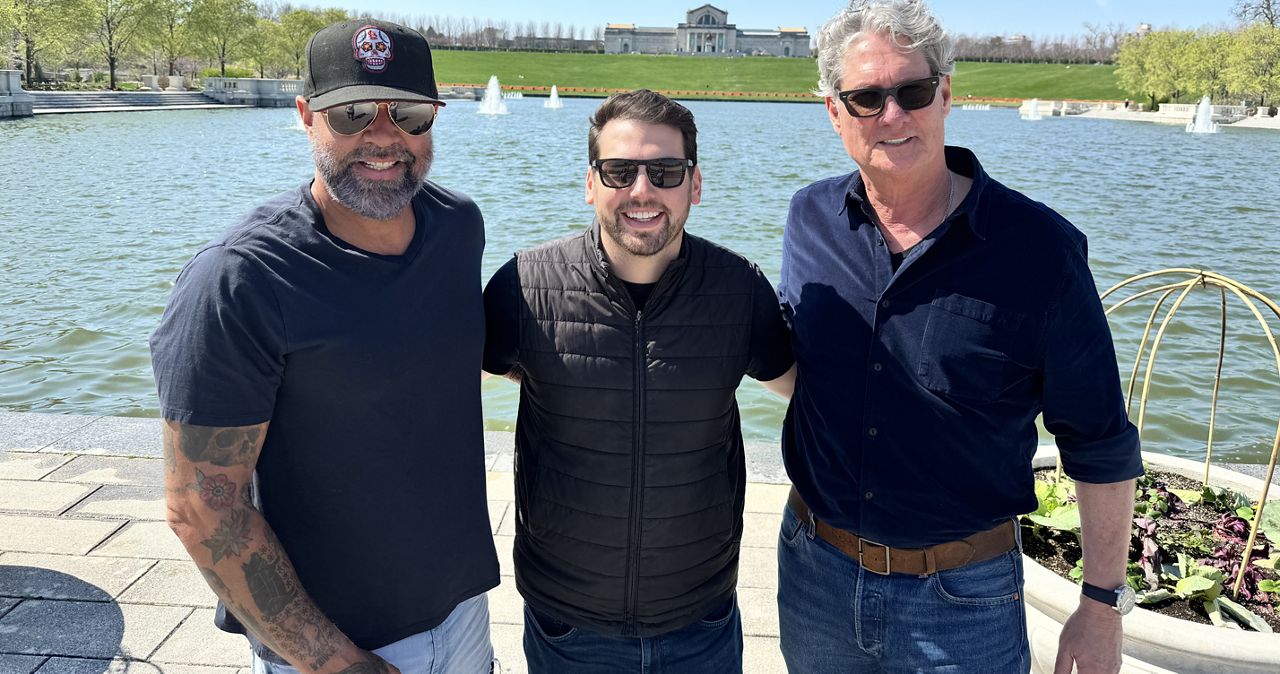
{"points": [[934, 314]]}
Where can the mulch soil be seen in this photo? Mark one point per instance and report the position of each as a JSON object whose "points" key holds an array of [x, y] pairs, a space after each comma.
{"points": [[1062, 550]]}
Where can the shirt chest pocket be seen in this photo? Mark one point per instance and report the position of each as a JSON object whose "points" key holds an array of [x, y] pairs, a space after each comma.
{"points": [[975, 351]]}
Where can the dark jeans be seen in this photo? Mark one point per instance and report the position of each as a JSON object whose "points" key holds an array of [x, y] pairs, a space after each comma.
{"points": [[835, 616], [712, 645]]}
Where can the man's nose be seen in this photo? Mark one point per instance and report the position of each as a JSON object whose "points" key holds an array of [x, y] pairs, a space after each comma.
{"points": [[892, 112], [642, 185]]}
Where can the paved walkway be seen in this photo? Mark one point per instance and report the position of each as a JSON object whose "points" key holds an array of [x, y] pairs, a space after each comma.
{"points": [[92, 580]]}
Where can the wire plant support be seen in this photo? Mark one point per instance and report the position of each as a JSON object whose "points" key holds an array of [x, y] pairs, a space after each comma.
{"points": [[1182, 282]]}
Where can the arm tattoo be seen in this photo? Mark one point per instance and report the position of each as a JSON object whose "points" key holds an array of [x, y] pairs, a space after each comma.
{"points": [[217, 492], [231, 537], [220, 446], [292, 619]]}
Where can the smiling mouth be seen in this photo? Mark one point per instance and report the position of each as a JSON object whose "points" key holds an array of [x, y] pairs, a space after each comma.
{"points": [[643, 217], [379, 165], [896, 141]]}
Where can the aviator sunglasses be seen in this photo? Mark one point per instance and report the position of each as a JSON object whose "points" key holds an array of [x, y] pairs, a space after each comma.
{"points": [[662, 173], [412, 118], [870, 102]]}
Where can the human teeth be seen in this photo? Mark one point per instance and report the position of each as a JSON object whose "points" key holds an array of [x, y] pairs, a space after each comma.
{"points": [[380, 165], [896, 141], [642, 215]]}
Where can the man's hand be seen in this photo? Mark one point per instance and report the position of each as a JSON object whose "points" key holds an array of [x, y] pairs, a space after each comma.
{"points": [[1090, 639]]}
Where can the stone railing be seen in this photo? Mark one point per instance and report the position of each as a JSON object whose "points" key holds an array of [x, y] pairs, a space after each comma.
{"points": [[253, 91], [1187, 111], [14, 102]]}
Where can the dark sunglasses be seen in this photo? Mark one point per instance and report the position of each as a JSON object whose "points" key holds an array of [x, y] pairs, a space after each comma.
{"points": [[663, 173], [352, 118], [870, 102]]}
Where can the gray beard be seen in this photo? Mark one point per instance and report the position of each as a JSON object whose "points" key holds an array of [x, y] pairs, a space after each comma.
{"points": [[376, 200]]}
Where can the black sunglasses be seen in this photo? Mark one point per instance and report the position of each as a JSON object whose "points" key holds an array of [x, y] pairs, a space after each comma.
{"points": [[870, 102], [662, 173], [412, 118]]}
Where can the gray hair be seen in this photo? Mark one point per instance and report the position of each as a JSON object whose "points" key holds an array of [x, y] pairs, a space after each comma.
{"points": [[909, 20]]}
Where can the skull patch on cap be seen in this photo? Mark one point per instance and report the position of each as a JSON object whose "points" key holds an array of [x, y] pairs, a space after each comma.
{"points": [[372, 48]]}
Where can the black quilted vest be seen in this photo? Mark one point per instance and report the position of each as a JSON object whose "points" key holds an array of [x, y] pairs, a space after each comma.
{"points": [[630, 474]]}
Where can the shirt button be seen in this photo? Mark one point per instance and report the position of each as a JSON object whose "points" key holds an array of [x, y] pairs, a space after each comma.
{"points": [[867, 496], [872, 431], [877, 367], [885, 304]]}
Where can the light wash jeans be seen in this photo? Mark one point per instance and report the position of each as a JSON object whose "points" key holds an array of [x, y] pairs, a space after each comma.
{"points": [[835, 616], [459, 645]]}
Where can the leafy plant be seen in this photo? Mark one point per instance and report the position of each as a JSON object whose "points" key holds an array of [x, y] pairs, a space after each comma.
{"points": [[1168, 562]]}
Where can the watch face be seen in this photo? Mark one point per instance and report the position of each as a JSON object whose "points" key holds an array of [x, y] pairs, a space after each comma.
{"points": [[1125, 599]]}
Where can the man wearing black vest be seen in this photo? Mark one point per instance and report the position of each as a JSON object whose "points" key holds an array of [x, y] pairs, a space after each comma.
{"points": [[328, 343], [629, 341]]}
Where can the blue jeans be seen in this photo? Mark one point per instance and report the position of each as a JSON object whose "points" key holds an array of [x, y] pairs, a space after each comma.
{"points": [[712, 645], [835, 616], [459, 645]]}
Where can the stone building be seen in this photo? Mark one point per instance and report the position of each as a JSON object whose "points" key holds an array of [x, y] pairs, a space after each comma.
{"points": [[705, 30]]}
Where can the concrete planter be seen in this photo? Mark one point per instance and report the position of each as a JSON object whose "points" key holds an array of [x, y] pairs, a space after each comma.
{"points": [[1152, 642]]}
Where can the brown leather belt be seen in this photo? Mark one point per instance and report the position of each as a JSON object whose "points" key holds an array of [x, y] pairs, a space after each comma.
{"points": [[884, 560]]}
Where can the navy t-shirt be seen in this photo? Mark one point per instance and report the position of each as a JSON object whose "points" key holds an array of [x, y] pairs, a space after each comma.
{"points": [[367, 366]]}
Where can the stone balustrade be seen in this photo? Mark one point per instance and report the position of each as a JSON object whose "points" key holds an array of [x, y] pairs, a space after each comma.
{"points": [[14, 102], [253, 91]]}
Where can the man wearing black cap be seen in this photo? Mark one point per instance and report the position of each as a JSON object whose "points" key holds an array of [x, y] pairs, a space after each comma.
{"points": [[329, 343]]}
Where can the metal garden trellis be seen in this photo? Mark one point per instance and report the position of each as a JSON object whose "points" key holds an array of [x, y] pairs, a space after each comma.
{"points": [[1250, 298]]}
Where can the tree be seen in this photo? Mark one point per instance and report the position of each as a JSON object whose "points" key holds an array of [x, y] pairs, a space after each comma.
{"points": [[1254, 66], [1156, 65], [170, 31], [222, 26], [262, 45], [1264, 11], [43, 28], [1205, 64], [296, 28], [115, 25]]}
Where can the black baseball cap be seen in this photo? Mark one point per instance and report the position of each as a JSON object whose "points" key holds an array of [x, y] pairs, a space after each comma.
{"points": [[365, 60]]}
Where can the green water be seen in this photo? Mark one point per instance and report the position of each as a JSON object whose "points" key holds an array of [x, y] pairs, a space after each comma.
{"points": [[103, 209]]}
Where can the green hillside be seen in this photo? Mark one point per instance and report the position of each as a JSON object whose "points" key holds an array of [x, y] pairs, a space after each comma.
{"points": [[752, 74], [1036, 80]]}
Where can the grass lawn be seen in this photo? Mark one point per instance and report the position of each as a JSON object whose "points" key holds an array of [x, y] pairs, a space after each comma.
{"points": [[793, 76]]}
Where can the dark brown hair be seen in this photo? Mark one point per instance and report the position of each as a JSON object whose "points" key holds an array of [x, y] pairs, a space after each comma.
{"points": [[647, 107]]}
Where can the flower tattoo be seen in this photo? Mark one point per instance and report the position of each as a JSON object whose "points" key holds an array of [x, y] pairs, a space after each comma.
{"points": [[217, 492]]}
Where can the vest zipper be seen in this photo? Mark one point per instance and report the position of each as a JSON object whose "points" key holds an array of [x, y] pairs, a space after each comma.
{"points": [[637, 481]]}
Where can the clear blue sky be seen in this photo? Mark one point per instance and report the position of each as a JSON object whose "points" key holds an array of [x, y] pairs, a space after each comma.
{"points": [[1044, 18]]}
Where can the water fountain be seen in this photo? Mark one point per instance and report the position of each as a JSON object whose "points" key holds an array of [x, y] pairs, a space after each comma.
{"points": [[492, 103], [553, 102], [1203, 123], [1032, 115]]}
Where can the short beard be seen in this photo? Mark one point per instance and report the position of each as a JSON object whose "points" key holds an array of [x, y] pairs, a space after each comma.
{"points": [[373, 199], [643, 244]]}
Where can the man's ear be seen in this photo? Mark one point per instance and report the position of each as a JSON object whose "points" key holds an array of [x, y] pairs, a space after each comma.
{"points": [[304, 112]]}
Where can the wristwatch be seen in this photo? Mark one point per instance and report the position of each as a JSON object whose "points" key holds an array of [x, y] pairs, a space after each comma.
{"points": [[1122, 598]]}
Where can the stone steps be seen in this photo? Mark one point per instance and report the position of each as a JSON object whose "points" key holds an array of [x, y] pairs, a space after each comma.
{"points": [[69, 100]]}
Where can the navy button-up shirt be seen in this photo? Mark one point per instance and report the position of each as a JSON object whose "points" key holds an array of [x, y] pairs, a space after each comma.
{"points": [[913, 419]]}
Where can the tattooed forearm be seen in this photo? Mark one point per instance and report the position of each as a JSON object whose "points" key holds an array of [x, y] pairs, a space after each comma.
{"points": [[220, 446]]}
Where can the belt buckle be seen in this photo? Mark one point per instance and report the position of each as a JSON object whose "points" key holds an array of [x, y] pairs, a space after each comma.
{"points": [[888, 558]]}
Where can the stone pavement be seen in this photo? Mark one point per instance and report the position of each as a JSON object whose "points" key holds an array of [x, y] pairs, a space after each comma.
{"points": [[92, 580]]}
